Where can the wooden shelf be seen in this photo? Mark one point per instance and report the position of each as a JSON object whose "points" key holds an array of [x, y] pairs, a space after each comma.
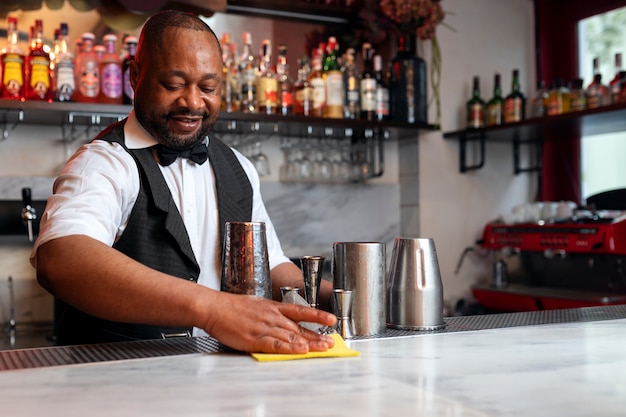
{"points": [[607, 119]]}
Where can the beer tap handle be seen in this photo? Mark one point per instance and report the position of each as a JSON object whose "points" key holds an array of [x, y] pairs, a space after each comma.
{"points": [[28, 212]]}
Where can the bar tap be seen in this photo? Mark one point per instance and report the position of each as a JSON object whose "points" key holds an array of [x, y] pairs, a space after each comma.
{"points": [[29, 214], [12, 323]]}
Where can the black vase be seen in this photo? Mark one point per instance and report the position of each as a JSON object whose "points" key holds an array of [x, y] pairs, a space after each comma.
{"points": [[408, 83]]}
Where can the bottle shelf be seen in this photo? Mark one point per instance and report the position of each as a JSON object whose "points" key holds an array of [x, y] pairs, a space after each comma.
{"points": [[607, 119], [14, 112]]}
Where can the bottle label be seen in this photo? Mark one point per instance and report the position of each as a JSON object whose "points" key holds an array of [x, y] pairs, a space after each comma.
{"points": [[334, 89], [111, 80], [382, 101], [248, 98], [578, 102], [555, 105], [89, 80], [368, 94], [40, 75], [303, 101], [494, 114], [513, 110], [267, 92], [13, 78], [352, 97], [248, 76], [65, 84], [304, 95], [475, 116], [319, 92], [286, 99]]}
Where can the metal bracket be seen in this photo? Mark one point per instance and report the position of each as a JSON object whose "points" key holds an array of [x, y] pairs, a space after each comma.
{"points": [[5, 122], [463, 141], [517, 144], [88, 120]]}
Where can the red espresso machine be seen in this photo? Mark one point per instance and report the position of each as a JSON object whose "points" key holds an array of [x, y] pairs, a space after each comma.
{"points": [[570, 263]]}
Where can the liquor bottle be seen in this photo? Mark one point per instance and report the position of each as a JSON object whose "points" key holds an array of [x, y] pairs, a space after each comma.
{"points": [[495, 106], [333, 81], [317, 83], [558, 98], [247, 74], [12, 64], [39, 85], [577, 98], [110, 73], [225, 46], [515, 102], [540, 101], [615, 85], [382, 90], [352, 101], [128, 95], [285, 84], [598, 94], [87, 73], [230, 75], [54, 54], [64, 84], [408, 84], [267, 85], [303, 92], [367, 85], [475, 107]]}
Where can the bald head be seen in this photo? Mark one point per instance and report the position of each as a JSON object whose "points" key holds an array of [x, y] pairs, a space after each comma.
{"points": [[151, 37]]}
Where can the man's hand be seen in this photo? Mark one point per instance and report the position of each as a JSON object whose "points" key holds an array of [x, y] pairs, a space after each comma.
{"points": [[254, 324]]}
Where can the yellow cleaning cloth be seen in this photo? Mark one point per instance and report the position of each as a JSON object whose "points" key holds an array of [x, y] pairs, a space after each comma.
{"points": [[340, 349]]}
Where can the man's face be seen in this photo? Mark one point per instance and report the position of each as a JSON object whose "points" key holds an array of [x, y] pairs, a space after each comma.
{"points": [[178, 89]]}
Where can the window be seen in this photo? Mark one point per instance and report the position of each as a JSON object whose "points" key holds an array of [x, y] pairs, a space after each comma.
{"points": [[603, 157]]}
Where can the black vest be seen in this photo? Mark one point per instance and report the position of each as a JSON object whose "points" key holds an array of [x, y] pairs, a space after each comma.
{"points": [[156, 237]]}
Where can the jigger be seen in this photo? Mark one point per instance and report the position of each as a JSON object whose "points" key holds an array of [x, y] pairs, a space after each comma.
{"points": [[312, 274], [342, 308], [289, 292]]}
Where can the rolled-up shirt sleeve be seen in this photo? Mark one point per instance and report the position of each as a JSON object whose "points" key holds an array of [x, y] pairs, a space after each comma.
{"points": [[92, 196]]}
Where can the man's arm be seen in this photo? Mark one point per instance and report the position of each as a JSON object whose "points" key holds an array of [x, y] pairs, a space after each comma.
{"points": [[103, 282]]}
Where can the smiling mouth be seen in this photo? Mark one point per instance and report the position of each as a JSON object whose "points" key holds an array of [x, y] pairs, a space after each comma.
{"points": [[185, 122]]}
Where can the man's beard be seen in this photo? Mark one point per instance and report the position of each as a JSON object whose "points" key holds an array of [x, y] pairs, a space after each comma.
{"points": [[157, 127]]}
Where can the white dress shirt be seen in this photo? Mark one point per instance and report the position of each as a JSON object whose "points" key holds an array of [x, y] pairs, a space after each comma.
{"points": [[95, 194]]}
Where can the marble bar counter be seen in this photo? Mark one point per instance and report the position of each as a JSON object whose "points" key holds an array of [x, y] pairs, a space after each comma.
{"points": [[527, 367]]}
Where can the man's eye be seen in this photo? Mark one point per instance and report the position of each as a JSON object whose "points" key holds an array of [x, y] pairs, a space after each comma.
{"points": [[172, 86], [207, 88]]}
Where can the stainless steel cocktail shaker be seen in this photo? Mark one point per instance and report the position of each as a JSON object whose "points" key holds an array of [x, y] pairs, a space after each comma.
{"points": [[245, 263], [415, 290], [360, 267]]}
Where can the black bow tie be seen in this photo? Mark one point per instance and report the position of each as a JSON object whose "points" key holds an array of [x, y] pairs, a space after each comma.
{"points": [[198, 153]]}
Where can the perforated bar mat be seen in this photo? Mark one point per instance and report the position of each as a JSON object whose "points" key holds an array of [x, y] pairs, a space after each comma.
{"points": [[82, 354]]}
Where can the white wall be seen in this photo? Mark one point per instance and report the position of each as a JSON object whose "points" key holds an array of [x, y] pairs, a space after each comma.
{"points": [[489, 36]]}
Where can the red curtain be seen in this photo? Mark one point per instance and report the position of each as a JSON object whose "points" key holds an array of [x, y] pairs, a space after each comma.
{"points": [[557, 56]]}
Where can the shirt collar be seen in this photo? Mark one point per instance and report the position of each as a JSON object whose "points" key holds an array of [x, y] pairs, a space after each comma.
{"points": [[135, 136]]}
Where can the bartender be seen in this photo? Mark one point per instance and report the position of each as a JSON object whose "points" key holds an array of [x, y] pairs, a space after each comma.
{"points": [[129, 242]]}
